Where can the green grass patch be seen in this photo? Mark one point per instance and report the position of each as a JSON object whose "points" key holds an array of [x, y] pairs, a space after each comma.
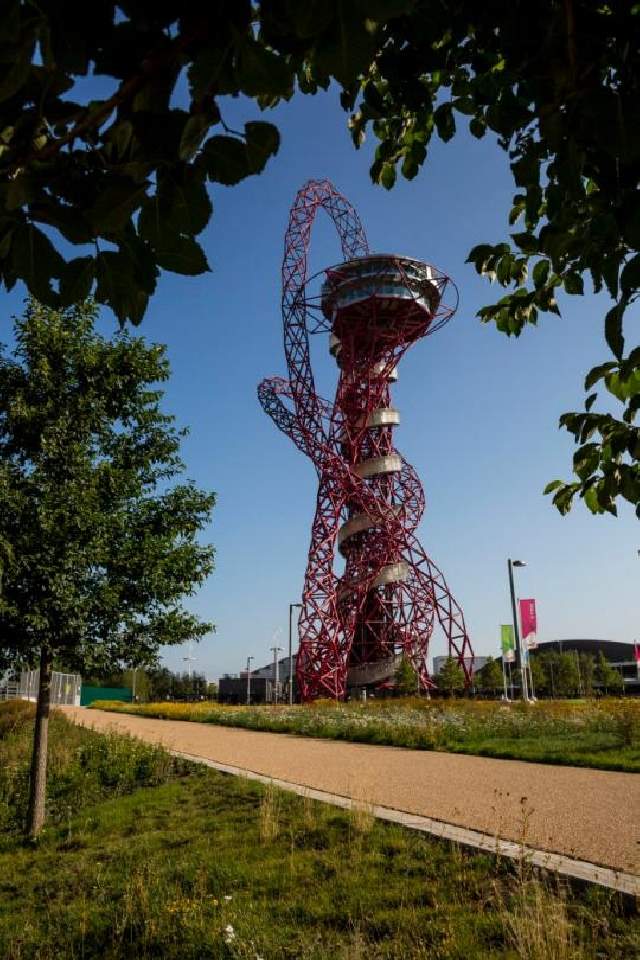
{"points": [[603, 734], [193, 864], [83, 768]]}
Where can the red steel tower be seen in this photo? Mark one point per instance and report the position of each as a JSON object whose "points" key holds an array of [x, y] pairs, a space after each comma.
{"points": [[356, 624]]}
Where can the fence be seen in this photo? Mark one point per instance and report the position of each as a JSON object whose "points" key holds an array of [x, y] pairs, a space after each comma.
{"points": [[8, 690], [65, 687]]}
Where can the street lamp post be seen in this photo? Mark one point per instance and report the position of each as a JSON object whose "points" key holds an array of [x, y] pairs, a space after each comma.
{"points": [[276, 680], [249, 659], [519, 655], [291, 606]]}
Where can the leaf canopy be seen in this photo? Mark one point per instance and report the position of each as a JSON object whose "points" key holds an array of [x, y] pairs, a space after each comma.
{"points": [[126, 178], [98, 539]]}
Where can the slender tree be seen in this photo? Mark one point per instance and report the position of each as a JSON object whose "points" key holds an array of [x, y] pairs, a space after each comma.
{"points": [[490, 676], [101, 542], [607, 676], [538, 674], [567, 676], [587, 668], [451, 677], [406, 679]]}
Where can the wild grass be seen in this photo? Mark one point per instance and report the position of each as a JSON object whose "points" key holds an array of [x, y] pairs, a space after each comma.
{"points": [[83, 768], [603, 734], [205, 866]]}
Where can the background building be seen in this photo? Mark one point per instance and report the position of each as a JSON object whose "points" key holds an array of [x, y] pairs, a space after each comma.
{"points": [[620, 655], [475, 663], [233, 689]]}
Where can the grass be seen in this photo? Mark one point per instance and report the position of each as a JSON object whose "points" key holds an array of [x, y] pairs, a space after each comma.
{"points": [[83, 768], [164, 861], [602, 734]]}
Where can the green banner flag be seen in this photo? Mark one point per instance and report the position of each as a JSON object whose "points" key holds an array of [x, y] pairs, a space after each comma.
{"points": [[508, 642]]}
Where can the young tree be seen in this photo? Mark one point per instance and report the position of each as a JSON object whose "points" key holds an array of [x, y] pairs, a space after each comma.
{"points": [[102, 539], [607, 676], [451, 677], [538, 675], [550, 660], [490, 676], [587, 666], [567, 676], [406, 679]]}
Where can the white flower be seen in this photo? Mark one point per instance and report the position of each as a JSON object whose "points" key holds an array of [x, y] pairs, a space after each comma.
{"points": [[227, 897]]}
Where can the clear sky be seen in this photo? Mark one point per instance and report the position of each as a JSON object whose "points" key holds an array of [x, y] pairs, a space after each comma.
{"points": [[479, 410]]}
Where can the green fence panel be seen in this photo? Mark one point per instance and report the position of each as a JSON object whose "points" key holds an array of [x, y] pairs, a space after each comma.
{"points": [[89, 694]]}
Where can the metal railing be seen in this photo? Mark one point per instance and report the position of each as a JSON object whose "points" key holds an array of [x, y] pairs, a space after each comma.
{"points": [[65, 688]]}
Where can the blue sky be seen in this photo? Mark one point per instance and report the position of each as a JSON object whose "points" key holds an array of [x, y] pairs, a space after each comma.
{"points": [[479, 410]]}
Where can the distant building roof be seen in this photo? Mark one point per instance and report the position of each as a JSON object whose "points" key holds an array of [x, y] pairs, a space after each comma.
{"points": [[614, 650]]}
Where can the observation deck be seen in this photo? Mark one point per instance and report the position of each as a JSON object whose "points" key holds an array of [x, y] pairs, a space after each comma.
{"points": [[378, 297]]}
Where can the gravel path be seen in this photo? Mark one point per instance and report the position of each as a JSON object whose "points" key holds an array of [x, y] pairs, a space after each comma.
{"points": [[588, 814]]}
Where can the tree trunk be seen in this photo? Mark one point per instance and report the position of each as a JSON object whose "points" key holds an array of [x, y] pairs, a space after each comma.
{"points": [[38, 781]]}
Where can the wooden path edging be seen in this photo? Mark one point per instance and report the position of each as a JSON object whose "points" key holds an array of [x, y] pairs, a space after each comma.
{"points": [[626, 883]]}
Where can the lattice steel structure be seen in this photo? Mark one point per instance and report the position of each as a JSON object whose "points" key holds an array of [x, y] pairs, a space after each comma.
{"points": [[356, 625]]}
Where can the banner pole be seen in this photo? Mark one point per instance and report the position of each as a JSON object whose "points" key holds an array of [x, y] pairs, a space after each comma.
{"points": [[519, 658]]}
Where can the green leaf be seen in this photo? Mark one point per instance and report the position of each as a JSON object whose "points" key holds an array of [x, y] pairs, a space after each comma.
{"points": [[312, 17], [597, 373], [119, 136], [527, 242], [263, 141], [117, 286], [410, 167], [630, 279], [36, 261], [477, 127], [181, 207], [573, 283], [113, 209], [226, 160], [610, 268], [465, 105], [589, 402], [182, 255], [387, 175], [346, 49], [540, 273], [77, 280], [517, 209], [15, 74], [591, 500], [445, 121], [68, 220], [20, 191], [550, 487], [261, 71], [194, 132], [586, 460], [613, 329]]}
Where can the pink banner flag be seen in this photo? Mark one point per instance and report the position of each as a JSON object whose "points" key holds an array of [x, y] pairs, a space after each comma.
{"points": [[529, 623], [636, 653]]}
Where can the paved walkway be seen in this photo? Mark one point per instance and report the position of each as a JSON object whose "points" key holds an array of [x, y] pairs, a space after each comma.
{"points": [[590, 815]]}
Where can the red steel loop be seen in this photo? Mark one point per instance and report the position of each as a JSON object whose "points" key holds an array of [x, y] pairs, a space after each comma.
{"points": [[355, 626]]}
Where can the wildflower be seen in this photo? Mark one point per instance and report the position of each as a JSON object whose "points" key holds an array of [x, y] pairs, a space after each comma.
{"points": [[229, 934], [227, 897]]}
